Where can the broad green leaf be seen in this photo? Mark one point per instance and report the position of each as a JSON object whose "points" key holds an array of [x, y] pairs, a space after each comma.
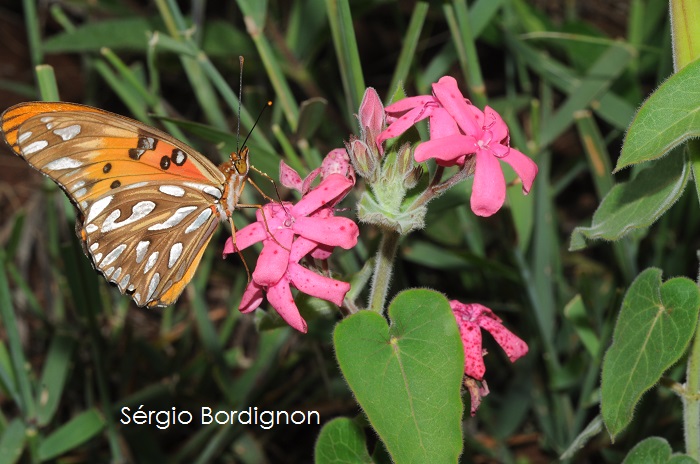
{"points": [[54, 377], [341, 441], [12, 442], [637, 203], [407, 376], [655, 450], [652, 332], [72, 434], [670, 116]]}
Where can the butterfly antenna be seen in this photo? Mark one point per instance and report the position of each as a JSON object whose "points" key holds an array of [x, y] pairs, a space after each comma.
{"points": [[240, 92], [269, 103]]}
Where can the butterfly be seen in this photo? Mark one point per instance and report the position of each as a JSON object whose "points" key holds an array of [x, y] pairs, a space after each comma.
{"points": [[148, 204]]}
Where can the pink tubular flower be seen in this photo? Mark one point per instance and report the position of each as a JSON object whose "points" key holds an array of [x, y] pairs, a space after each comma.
{"points": [[471, 318], [307, 227], [458, 131]]}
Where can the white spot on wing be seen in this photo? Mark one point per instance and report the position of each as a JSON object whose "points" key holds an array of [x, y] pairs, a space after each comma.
{"points": [[34, 147], [175, 253], [125, 282], [94, 246], [80, 192], [113, 255], [61, 163], [138, 212], [98, 207], [98, 257], [201, 219], [152, 285], [67, 133], [117, 273], [46, 119], [24, 136], [141, 250], [175, 219], [90, 228], [136, 185], [151, 261], [208, 189], [172, 190]]}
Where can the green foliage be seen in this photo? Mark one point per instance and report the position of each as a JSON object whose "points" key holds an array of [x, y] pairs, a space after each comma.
{"points": [[406, 376], [652, 332], [73, 352]]}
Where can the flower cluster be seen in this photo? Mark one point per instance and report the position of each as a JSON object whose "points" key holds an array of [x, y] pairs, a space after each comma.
{"points": [[460, 133], [289, 232]]}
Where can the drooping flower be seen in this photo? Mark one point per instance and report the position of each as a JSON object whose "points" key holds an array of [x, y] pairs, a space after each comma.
{"points": [[458, 132], [289, 232], [473, 317]]}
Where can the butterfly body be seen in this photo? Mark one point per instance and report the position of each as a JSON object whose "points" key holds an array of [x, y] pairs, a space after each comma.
{"points": [[148, 204]]}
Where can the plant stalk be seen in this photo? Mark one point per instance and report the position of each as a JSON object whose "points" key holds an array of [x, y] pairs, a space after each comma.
{"points": [[383, 268]]}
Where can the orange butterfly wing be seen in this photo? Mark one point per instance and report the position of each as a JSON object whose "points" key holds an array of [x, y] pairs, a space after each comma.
{"points": [[148, 203]]}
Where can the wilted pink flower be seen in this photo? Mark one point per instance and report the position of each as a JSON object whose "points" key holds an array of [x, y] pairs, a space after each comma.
{"points": [[458, 131], [471, 318], [307, 227]]}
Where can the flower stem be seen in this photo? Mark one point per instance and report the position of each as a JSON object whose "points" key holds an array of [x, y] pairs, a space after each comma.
{"points": [[691, 401], [383, 267]]}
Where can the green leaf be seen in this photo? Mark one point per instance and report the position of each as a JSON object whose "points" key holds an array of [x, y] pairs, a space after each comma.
{"points": [[652, 332], [407, 376], [341, 441], [72, 434], [670, 116], [12, 442], [53, 378], [637, 203], [655, 450]]}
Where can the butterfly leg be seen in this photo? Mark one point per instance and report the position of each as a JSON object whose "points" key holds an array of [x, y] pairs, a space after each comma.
{"points": [[233, 239]]}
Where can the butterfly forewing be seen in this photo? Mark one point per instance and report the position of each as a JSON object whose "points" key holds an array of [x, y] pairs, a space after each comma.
{"points": [[149, 204]]}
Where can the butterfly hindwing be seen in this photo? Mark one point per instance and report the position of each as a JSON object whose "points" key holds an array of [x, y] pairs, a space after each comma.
{"points": [[149, 204]]}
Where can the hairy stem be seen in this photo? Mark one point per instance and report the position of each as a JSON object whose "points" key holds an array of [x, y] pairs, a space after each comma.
{"points": [[383, 267], [691, 401]]}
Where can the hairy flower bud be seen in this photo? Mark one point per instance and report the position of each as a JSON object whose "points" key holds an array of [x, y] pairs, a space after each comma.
{"points": [[371, 117], [364, 159]]}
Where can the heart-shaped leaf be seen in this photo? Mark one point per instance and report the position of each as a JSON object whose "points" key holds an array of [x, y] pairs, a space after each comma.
{"points": [[655, 450], [652, 332], [341, 441], [407, 376]]}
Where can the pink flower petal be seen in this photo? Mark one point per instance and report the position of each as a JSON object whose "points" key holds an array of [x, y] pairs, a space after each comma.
{"points": [[335, 231], [317, 285], [408, 103], [514, 347], [274, 259], [523, 166], [442, 125], [489, 189], [473, 351], [337, 161], [330, 190], [289, 177], [250, 234], [447, 149], [494, 122], [306, 185], [403, 123], [252, 298], [467, 116], [300, 248], [280, 297]]}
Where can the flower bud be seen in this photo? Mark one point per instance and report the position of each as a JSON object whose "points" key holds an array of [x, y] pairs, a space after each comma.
{"points": [[363, 158], [411, 179], [371, 116]]}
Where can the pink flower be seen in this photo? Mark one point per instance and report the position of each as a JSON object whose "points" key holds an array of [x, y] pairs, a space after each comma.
{"points": [[371, 117], [307, 227], [458, 132], [471, 318], [336, 161]]}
